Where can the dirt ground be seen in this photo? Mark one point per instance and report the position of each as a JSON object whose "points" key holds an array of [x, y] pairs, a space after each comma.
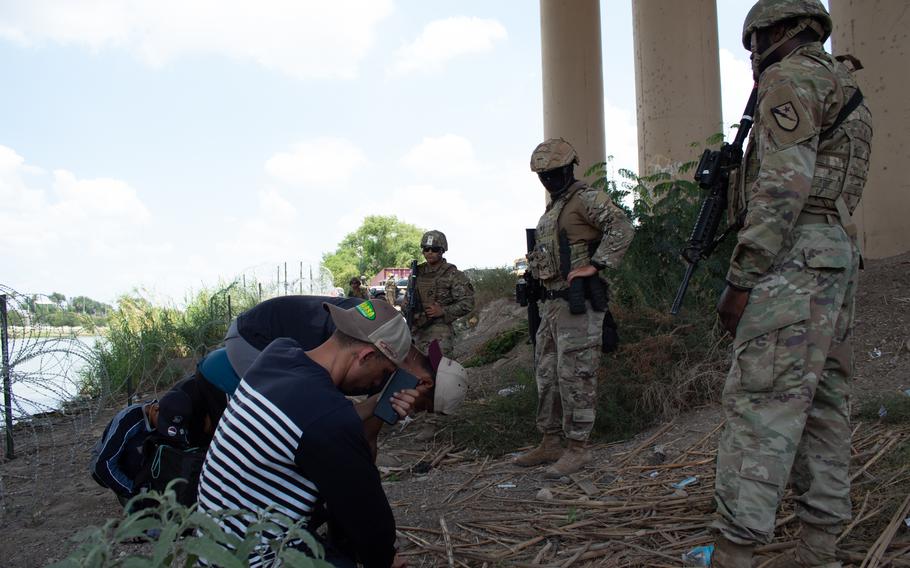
{"points": [[456, 507]]}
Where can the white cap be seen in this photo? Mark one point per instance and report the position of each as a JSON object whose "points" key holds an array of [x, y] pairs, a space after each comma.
{"points": [[451, 386]]}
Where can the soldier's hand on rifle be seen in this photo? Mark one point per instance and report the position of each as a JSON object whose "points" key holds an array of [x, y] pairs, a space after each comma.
{"points": [[730, 307], [434, 310], [581, 272]]}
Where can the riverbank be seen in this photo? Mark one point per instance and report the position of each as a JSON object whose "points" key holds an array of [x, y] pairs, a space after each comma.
{"points": [[55, 332]]}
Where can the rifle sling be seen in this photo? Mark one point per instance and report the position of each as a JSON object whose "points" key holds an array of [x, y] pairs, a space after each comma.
{"points": [[855, 100]]}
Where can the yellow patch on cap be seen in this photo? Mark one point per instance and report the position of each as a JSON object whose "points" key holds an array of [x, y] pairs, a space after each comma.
{"points": [[367, 310]]}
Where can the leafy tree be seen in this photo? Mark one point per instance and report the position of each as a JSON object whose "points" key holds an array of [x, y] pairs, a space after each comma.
{"points": [[380, 242], [57, 298], [86, 305]]}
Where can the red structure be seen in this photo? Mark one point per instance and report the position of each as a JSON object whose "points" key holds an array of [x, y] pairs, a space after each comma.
{"points": [[386, 273]]}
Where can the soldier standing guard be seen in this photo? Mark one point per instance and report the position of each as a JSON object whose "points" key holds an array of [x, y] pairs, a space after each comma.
{"points": [[594, 234], [444, 295], [357, 290], [391, 290], [790, 289]]}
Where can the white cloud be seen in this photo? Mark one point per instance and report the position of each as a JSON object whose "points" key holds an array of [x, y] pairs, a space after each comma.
{"points": [[275, 228], [441, 157], [483, 215], [446, 39], [103, 201], [72, 213], [736, 84], [317, 163], [64, 232], [300, 38]]}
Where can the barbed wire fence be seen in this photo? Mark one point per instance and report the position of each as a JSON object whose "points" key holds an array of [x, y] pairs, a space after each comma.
{"points": [[60, 387], [43, 406]]}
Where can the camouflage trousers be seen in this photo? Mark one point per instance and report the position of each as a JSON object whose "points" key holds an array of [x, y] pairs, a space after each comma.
{"points": [[786, 397], [567, 359], [441, 331]]}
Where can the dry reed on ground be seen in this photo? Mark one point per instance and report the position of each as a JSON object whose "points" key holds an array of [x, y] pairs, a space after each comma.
{"points": [[627, 513]]}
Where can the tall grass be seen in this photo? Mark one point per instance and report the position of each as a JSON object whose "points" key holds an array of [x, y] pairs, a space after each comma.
{"points": [[144, 342]]}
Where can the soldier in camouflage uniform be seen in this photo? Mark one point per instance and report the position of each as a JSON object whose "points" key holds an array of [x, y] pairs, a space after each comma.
{"points": [[391, 290], [357, 290], [444, 295], [789, 298], [568, 342]]}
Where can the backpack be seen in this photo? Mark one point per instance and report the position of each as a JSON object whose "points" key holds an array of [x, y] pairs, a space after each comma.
{"points": [[164, 461]]}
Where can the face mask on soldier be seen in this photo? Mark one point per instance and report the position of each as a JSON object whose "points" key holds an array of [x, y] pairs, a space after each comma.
{"points": [[555, 181]]}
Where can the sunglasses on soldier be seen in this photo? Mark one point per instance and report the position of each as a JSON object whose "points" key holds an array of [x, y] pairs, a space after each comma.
{"points": [[432, 249]]}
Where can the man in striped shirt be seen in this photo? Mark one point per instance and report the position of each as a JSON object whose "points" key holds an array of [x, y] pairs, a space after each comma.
{"points": [[291, 442]]}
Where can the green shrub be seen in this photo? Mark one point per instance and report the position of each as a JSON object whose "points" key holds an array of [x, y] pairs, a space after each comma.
{"points": [[143, 340], [493, 349], [889, 408], [664, 209], [500, 424], [491, 284], [185, 535]]}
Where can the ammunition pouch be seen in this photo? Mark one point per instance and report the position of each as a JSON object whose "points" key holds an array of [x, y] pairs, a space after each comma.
{"points": [[542, 262], [576, 296], [596, 292]]}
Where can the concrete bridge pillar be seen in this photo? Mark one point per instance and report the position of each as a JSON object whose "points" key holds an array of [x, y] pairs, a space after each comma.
{"points": [[877, 32], [677, 80], [573, 94]]}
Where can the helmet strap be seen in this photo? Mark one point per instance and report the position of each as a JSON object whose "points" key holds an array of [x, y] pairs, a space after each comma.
{"points": [[762, 61]]}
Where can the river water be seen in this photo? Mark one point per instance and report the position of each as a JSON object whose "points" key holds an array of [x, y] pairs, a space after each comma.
{"points": [[45, 372]]}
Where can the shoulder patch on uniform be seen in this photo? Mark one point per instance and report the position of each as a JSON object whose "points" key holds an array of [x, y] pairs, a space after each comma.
{"points": [[785, 117]]}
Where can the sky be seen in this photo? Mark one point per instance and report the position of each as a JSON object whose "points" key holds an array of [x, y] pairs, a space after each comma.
{"points": [[163, 146]]}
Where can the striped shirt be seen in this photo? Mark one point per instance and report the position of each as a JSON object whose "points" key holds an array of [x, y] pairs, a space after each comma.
{"points": [[290, 441]]}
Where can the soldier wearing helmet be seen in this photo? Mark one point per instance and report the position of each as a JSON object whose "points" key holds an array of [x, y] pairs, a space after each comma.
{"points": [[444, 293], [596, 234], [357, 290], [789, 298]]}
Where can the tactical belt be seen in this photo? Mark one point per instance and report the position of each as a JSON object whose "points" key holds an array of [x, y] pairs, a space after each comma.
{"points": [[553, 294]]}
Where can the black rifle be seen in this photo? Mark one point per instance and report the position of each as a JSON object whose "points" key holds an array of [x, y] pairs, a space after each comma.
{"points": [[412, 299], [528, 290], [713, 175]]}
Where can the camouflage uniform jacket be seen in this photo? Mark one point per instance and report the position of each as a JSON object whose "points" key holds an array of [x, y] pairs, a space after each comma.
{"points": [[789, 169], [362, 294], [447, 286], [588, 216]]}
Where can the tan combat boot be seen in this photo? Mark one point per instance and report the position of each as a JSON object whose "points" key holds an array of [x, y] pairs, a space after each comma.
{"points": [[816, 548], [575, 457], [549, 450], [728, 554]]}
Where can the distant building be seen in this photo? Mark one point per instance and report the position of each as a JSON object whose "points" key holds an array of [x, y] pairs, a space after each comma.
{"points": [[386, 273]]}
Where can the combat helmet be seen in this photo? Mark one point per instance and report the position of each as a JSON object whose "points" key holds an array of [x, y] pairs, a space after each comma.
{"points": [[551, 154], [766, 13], [434, 239]]}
